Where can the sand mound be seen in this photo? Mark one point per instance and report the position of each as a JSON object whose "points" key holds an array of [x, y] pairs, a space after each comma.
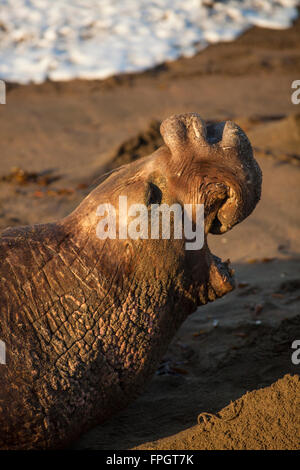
{"points": [[279, 138], [142, 144], [262, 419]]}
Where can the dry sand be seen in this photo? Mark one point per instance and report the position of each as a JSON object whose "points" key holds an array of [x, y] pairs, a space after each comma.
{"points": [[62, 136]]}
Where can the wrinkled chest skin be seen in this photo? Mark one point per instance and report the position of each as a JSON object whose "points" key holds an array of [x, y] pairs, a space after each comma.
{"points": [[86, 321]]}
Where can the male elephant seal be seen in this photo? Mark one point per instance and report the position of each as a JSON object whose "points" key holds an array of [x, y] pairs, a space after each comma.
{"points": [[86, 320]]}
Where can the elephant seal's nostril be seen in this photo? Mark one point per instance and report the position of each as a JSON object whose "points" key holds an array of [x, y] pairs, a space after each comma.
{"points": [[215, 132]]}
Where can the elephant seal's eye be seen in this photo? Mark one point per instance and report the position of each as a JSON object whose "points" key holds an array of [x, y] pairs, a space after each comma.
{"points": [[153, 194]]}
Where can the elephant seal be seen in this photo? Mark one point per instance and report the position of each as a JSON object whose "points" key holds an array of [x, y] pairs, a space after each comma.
{"points": [[85, 320]]}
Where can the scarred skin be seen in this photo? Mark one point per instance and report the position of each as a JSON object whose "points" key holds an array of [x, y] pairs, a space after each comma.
{"points": [[86, 321]]}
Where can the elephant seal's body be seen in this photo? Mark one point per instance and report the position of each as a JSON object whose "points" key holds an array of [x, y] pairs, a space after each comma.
{"points": [[86, 321]]}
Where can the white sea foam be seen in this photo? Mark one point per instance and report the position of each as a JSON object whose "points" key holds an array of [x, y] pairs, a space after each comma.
{"points": [[65, 39]]}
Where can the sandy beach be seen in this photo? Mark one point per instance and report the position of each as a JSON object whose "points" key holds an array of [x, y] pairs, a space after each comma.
{"points": [[228, 380]]}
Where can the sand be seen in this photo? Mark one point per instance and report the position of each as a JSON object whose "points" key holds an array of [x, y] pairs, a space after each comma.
{"points": [[232, 358], [257, 421]]}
